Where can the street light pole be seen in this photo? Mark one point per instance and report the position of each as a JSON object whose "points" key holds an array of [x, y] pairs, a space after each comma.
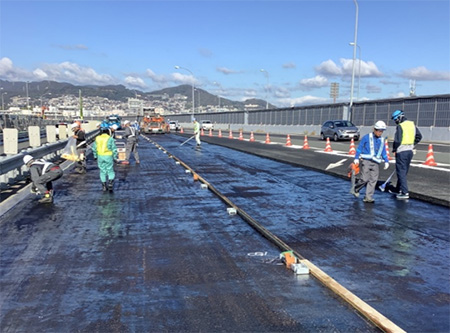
{"points": [[267, 76], [193, 104], [355, 42], [359, 67]]}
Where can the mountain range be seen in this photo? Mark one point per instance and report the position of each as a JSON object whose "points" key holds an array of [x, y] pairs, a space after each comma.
{"points": [[37, 90]]}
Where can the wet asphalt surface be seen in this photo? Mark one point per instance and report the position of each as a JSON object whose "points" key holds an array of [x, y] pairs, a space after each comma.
{"points": [[159, 254], [162, 254]]}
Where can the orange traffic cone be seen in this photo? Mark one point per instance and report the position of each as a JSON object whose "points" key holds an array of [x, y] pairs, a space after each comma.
{"points": [[210, 132], [305, 143], [352, 150], [230, 136], [220, 133], [328, 146], [288, 141], [387, 150], [241, 137], [430, 157], [181, 130], [252, 138], [267, 138], [202, 132]]}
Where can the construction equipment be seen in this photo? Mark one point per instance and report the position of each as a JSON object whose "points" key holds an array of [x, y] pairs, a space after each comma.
{"points": [[154, 123]]}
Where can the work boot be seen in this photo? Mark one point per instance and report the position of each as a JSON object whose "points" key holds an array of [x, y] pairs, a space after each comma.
{"points": [[111, 185], [354, 192], [368, 200], [403, 196], [47, 198], [104, 187]]}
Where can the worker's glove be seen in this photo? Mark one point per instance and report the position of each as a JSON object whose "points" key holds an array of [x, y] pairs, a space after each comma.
{"points": [[414, 151], [386, 165], [356, 162]]}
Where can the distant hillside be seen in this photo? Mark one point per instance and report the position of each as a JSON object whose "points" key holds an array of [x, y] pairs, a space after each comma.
{"points": [[205, 98], [117, 92]]}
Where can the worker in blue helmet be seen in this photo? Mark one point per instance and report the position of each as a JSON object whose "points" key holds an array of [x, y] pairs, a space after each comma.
{"points": [[407, 135]]}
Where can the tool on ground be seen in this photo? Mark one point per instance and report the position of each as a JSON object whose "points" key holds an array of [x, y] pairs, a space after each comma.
{"points": [[188, 140], [382, 187]]}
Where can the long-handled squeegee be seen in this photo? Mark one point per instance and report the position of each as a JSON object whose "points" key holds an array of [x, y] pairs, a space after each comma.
{"points": [[187, 140], [382, 187]]}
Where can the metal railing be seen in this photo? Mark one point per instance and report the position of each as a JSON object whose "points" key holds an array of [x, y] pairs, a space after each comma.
{"points": [[12, 168]]}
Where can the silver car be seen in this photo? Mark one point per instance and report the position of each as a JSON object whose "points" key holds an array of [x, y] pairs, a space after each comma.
{"points": [[339, 130]]}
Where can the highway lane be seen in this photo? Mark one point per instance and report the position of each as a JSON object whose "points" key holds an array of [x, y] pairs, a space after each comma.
{"points": [[159, 254], [425, 182], [394, 254], [109, 268]]}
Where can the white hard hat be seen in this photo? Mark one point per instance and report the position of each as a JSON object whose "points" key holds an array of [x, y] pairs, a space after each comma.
{"points": [[380, 125], [114, 127], [74, 125], [27, 159], [126, 122]]}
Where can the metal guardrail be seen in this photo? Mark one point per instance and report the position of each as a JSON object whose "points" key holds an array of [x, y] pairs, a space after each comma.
{"points": [[12, 168]]}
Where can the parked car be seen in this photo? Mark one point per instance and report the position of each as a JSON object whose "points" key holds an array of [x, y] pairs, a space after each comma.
{"points": [[174, 126], [339, 130], [207, 125]]}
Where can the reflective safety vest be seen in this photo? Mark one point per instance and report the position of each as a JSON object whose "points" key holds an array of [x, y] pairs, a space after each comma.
{"points": [[102, 145], [409, 132], [43, 164], [371, 156]]}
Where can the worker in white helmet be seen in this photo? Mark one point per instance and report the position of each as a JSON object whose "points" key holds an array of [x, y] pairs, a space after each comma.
{"points": [[132, 136], [42, 173], [371, 151]]}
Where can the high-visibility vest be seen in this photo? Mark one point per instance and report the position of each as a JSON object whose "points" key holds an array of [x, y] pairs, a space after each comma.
{"points": [[409, 132], [102, 145], [371, 156]]}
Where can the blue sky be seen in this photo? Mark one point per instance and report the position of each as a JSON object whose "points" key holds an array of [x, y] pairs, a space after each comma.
{"points": [[303, 46]]}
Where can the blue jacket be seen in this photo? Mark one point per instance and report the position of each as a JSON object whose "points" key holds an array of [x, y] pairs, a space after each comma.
{"points": [[366, 153]]}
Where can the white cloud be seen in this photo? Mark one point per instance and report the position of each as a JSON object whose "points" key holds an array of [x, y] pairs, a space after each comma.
{"points": [[74, 73], [9, 72], [318, 81], [281, 92], [423, 74], [304, 100], [135, 82], [329, 68], [226, 71], [184, 79], [39, 73], [160, 79]]}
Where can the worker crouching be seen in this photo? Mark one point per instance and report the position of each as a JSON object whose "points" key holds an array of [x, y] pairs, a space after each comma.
{"points": [[372, 151], [42, 173], [105, 152]]}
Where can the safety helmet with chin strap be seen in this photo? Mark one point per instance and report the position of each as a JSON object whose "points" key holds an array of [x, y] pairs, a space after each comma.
{"points": [[397, 115]]}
